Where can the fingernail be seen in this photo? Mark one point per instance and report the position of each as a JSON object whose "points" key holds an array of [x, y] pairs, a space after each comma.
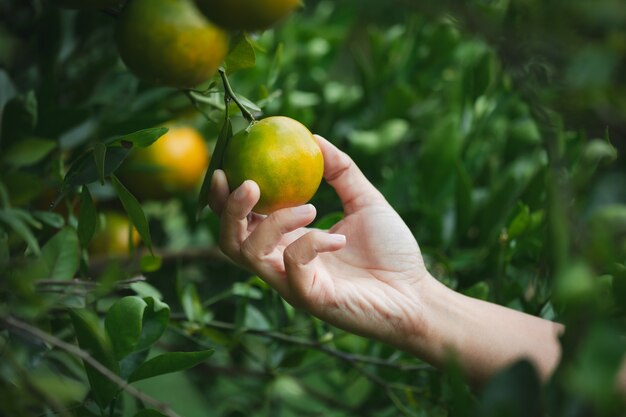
{"points": [[214, 180], [240, 193], [301, 210], [337, 238]]}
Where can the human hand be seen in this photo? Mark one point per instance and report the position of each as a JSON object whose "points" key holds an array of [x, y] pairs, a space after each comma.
{"points": [[363, 275]]}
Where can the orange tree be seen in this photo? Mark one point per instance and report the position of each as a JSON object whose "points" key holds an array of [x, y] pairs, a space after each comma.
{"points": [[494, 128]]}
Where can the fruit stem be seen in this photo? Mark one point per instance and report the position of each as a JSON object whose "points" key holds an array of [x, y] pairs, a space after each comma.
{"points": [[229, 94]]}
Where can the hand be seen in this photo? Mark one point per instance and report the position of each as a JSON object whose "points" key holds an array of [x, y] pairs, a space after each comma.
{"points": [[363, 275]]}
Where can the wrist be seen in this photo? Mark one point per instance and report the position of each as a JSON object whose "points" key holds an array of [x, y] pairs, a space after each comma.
{"points": [[433, 332]]}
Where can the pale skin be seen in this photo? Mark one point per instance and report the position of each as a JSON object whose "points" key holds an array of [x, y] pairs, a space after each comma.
{"points": [[366, 275]]}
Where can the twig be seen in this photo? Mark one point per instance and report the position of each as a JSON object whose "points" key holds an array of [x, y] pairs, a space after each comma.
{"points": [[196, 105], [348, 357], [100, 263], [13, 323], [355, 360], [82, 283], [229, 94]]}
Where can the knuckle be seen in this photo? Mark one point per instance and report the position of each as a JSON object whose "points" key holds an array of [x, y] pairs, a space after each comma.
{"points": [[233, 209], [227, 246], [248, 251], [290, 256], [275, 222]]}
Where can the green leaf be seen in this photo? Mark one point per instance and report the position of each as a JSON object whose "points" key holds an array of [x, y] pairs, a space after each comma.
{"points": [[249, 104], [99, 156], [512, 183], [593, 373], [513, 392], [387, 136], [5, 254], [134, 211], [93, 340], [148, 413], [141, 138], [168, 363], [438, 155], [216, 163], [192, 306], [241, 55], [464, 206], [62, 254], [84, 170], [22, 187], [143, 289], [123, 324], [150, 263], [87, 218], [130, 363], [50, 218], [19, 117], [27, 152], [14, 222], [156, 317]]}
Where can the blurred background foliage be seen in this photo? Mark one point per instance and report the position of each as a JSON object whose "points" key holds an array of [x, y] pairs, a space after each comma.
{"points": [[495, 128]]}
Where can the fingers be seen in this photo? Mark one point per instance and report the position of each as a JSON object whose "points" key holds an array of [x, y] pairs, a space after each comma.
{"points": [[234, 216], [219, 191], [298, 258], [258, 251], [272, 229], [353, 188]]}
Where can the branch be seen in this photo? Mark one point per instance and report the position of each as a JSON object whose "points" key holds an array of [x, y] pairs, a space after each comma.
{"points": [[355, 360], [79, 287], [196, 105], [99, 263], [348, 357], [15, 324], [82, 283], [229, 94]]}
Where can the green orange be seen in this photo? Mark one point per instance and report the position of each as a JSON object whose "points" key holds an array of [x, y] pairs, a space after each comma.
{"points": [[113, 235], [174, 164], [169, 42], [251, 15], [281, 156]]}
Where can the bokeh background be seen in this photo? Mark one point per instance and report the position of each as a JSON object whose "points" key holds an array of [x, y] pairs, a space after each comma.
{"points": [[495, 128]]}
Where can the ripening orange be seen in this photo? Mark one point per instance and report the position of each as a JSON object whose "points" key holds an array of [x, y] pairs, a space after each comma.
{"points": [[281, 156]]}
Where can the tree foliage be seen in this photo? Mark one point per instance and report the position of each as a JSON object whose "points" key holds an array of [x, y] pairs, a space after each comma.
{"points": [[495, 128]]}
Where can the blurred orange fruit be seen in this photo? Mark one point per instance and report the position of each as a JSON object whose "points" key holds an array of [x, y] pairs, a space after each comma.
{"points": [[174, 164], [169, 42], [251, 15], [112, 235]]}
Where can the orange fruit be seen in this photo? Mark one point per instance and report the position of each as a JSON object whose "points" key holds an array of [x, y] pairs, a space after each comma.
{"points": [[248, 15], [281, 156], [169, 42], [112, 235], [174, 164]]}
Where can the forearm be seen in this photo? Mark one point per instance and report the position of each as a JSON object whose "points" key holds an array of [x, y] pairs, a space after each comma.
{"points": [[483, 337]]}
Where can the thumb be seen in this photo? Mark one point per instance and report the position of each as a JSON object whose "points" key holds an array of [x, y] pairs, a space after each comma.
{"points": [[353, 188]]}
